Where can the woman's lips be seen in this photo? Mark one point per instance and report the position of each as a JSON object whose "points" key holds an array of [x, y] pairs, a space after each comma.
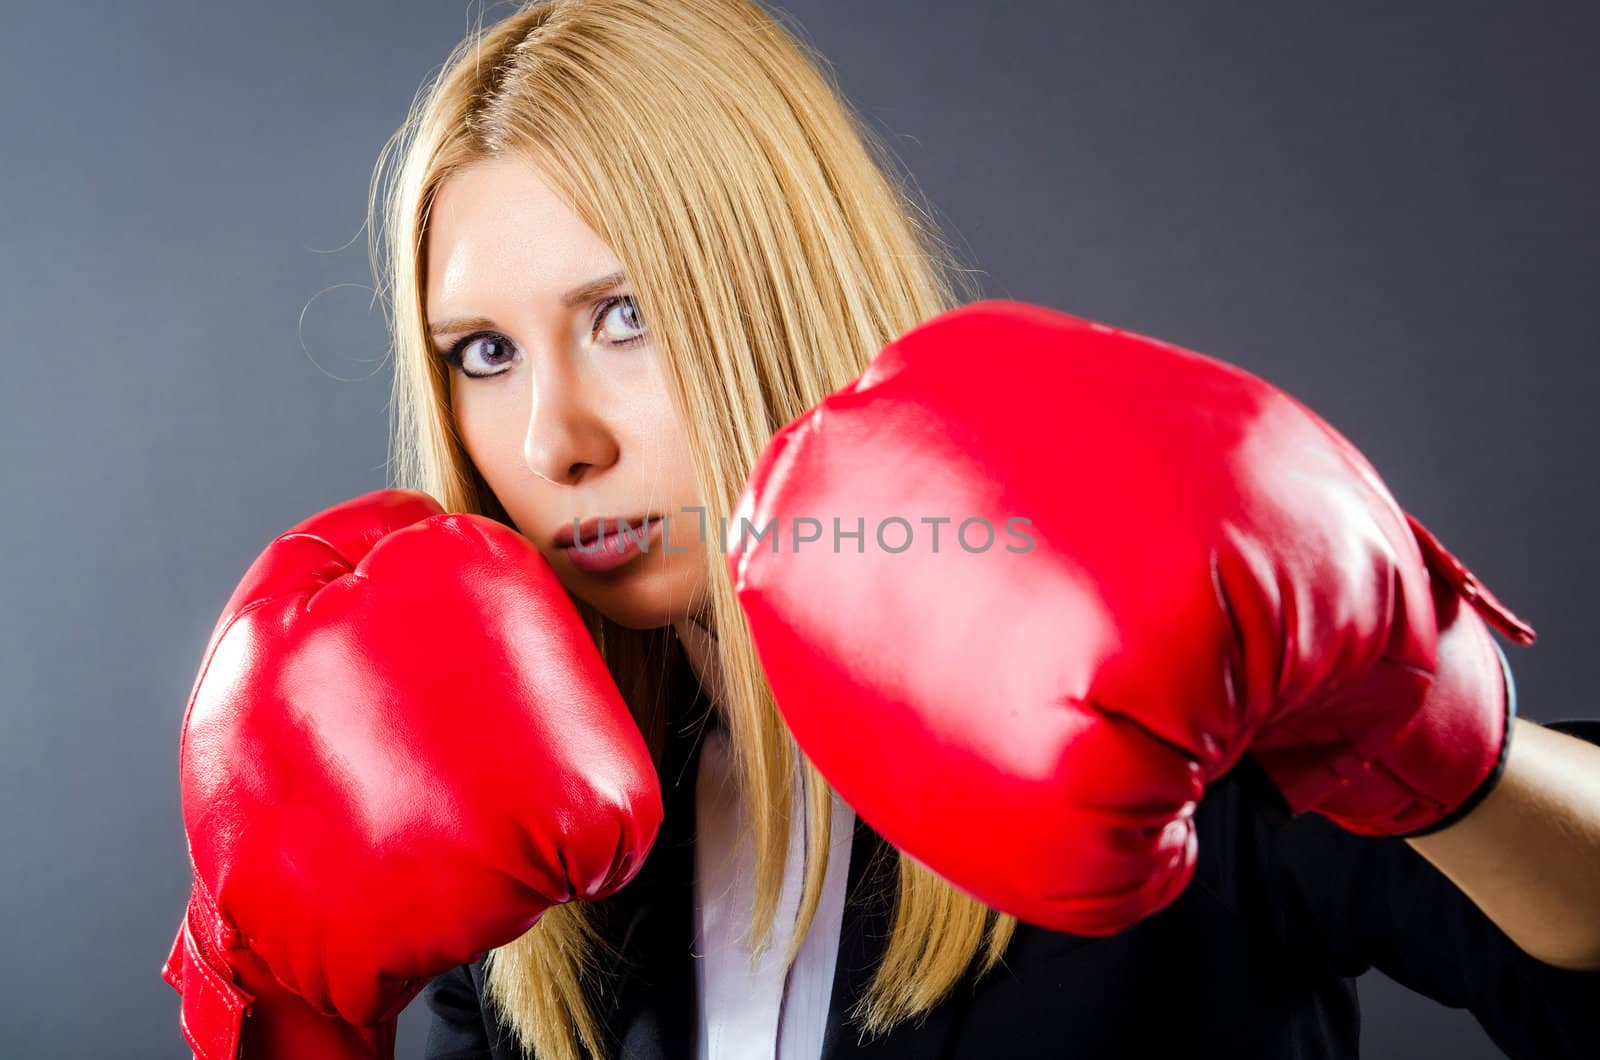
{"points": [[619, 544]]}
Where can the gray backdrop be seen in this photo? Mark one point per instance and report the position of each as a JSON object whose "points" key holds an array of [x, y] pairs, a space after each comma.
{"points": [[1389, 213]]}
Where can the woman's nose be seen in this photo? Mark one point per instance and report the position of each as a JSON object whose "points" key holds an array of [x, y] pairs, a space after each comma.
{"points": [[566, 436]]}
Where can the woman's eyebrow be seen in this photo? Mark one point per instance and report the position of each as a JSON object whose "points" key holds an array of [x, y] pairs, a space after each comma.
{"points": [[593, 289], [578, 295]]}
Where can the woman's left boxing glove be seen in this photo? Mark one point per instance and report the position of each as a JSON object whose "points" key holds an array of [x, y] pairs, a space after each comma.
{"points": [[1031, 583]]}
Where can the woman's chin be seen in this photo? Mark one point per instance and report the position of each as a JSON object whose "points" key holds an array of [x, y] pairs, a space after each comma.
{"points": [[648, 599]]}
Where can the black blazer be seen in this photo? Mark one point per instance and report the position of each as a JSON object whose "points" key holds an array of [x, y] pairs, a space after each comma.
{"points": [[1256, 959]]}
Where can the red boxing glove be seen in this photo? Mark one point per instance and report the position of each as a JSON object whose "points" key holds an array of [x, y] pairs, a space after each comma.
{"points": [[1149, 563], [401, 749]]}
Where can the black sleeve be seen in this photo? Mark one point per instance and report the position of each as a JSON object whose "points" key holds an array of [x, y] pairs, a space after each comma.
{"points": [[1376, 903], [458, 1031]]}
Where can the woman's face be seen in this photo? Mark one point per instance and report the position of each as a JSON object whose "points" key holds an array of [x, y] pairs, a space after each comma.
{"points": [[558, 395]]}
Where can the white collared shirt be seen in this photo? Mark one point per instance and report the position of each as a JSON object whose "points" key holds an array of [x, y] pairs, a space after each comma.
{"points": [[758, 1013]]}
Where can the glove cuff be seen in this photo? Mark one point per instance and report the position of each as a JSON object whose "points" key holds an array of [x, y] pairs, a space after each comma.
{"points": [[213, 1007], [222, 1021], [1488, 783]]}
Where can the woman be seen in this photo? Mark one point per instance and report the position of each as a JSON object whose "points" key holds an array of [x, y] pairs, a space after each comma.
{"points": [[624, 243], [748, 195]]}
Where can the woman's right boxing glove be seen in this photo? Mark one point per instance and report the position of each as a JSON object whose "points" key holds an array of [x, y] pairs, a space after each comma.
{"points": [[402, 747]]}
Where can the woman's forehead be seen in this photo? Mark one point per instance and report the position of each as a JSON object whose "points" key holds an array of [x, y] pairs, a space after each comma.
{"points": [[496, 230]]}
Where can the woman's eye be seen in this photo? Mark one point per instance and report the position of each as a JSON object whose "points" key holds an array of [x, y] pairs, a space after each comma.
{"points": [[482, 355], [489, 354], [626, 314]]}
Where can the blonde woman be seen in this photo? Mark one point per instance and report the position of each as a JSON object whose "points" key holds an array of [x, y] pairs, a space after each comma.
{"points": [[624, 244]]}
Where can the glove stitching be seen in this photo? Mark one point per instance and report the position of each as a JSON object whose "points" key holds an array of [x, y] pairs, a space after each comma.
{"points": [[232, 1004]]}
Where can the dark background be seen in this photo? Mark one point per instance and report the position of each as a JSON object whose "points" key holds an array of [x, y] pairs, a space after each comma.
{"points": [[1391, 214]]}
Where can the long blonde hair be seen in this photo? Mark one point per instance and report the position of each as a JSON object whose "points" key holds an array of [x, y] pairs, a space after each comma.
{"points": [[773, 252]]}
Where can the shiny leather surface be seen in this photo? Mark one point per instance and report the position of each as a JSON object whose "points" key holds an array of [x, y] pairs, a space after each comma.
{"points": [[1211, 570], [402, 747]]}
